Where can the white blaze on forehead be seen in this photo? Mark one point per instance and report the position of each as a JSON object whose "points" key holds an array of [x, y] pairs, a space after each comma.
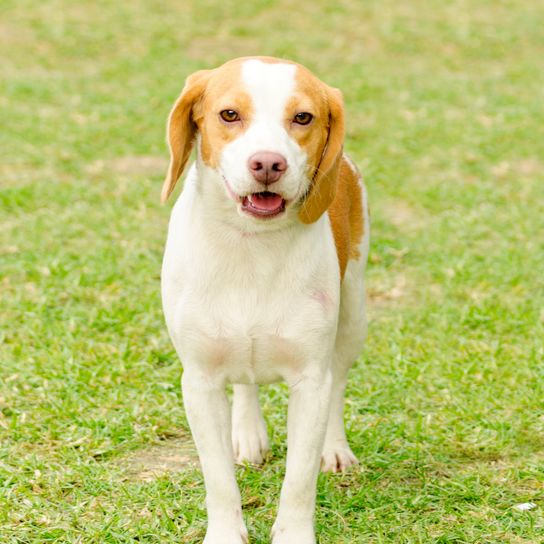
{"points": [[270, 86]]}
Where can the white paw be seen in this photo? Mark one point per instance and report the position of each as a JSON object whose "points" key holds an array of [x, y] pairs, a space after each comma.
{"points": [[249, 441], [222, 534], [337, 457], [293, 533]]}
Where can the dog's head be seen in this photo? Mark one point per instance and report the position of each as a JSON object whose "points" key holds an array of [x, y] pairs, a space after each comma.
{"points": [[269, 131]]}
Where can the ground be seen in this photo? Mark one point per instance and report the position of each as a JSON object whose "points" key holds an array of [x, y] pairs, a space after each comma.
{"points": [[445, 117]]}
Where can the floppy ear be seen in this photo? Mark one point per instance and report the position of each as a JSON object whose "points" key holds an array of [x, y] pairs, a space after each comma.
{"points": [[323, 187], [181, 129]]}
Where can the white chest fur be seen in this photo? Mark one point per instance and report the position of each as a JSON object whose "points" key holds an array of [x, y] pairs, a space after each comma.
{"points": [[248, 307]]}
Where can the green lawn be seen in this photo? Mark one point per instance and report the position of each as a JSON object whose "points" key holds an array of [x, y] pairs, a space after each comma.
{"points": [[445, 116]]}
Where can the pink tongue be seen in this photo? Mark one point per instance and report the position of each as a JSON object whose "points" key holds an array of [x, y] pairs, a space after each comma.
{"points": [[268, 202]]}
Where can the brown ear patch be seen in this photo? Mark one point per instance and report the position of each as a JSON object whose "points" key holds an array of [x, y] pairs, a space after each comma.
{"points": [[346, 215], [181, 129]]}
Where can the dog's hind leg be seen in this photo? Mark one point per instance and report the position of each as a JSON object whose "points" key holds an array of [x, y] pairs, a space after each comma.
{"points": [[337, 455], [249, 437]]}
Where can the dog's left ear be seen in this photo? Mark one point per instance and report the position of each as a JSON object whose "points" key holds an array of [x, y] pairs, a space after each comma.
{"points": [[181, 128], [323, 186]]}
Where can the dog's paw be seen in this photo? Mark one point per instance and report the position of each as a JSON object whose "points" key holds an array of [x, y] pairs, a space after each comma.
{"points": [[249, 441], [293, 533], [226, 534], [337, 457]]}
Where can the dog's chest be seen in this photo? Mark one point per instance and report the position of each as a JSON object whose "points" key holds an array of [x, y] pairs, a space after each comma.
{"points": [[250, 336], [248, 310]]}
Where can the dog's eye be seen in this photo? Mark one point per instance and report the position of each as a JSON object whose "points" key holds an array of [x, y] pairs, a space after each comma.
{"points": [[229, 116], [303, 118]]}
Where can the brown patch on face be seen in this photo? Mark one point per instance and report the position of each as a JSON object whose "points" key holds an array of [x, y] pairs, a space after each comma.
{"points": [[225, 91], [312, 137], [310, 96], [205, 94], [346, 215], [322, 139]]}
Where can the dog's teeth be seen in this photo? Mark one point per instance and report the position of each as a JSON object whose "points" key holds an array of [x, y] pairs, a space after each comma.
{"points": [[250, 198]]}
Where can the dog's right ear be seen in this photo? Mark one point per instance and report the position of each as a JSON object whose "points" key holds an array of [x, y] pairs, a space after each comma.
{"points": [[181, 128]]}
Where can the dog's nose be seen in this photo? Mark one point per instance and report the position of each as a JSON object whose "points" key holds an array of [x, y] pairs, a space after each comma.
{"points": [[267, 167]]}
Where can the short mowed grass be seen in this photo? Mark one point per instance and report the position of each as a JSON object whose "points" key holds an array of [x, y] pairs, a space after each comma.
{"points": [[445, 410]]}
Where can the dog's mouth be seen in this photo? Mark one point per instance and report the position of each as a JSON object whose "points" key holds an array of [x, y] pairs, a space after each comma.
{"points": [[265, 204]]}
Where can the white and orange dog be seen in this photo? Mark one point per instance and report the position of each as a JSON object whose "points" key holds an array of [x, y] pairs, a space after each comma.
{"points": [[262, 278]]}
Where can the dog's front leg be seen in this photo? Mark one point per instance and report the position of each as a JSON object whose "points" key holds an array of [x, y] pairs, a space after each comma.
{"points": [[208, 412], [307, 419]]}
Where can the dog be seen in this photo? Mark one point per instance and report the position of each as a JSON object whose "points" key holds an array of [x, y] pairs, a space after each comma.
{"points": [[262, 278]]}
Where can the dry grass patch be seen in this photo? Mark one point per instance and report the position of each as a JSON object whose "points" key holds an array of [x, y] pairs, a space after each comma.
{"points": [[176, 455]]}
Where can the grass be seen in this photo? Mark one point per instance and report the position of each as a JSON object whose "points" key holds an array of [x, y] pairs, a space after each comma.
{"points": [[445, 117]]}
